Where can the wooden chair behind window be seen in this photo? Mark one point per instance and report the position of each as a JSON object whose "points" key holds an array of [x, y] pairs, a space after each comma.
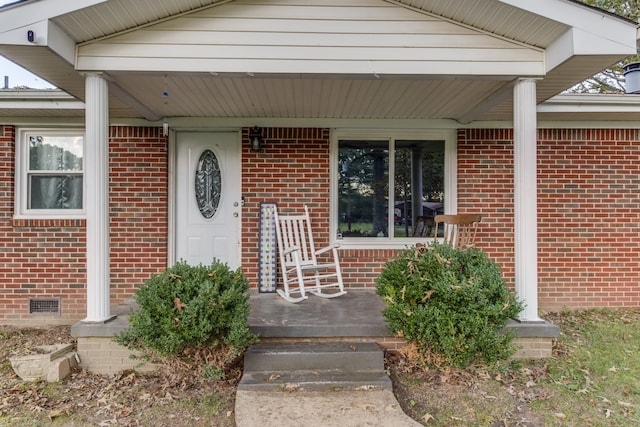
{"points": [[423, 227], [305, 269], [459, 230]]}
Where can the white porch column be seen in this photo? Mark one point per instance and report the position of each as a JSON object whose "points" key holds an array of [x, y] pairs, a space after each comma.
{"points": [[96, 162], [525, 195]]}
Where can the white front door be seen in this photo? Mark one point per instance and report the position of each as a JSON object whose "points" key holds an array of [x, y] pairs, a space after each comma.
{"points": [[208, 197]]}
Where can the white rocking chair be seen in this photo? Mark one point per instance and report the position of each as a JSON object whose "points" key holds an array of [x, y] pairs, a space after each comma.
{"points": [[301, 272]]}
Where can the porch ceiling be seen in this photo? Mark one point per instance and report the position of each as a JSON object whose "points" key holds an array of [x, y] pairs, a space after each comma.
{"points": [[344, 97], [339, 96]]}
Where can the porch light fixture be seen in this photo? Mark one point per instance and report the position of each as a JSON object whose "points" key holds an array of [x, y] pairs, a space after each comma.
{"points": [[165, 127], [165, 101], [255, 138]]}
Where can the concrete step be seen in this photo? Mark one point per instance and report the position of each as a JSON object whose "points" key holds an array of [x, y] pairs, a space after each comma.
{"points": [[318, 380], [309, 356], [313, 366]]}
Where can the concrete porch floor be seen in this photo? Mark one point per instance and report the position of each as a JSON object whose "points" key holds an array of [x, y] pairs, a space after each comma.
{"points": [[356, 314]]}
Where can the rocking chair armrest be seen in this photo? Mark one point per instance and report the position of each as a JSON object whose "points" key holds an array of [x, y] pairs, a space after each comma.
{"points": [[327, 249], [290, 249]]}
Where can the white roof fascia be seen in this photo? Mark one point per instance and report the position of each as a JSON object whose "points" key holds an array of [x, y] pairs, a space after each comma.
{"points": [[60, 42], [560, 50], [47, 34], [578, 42], [39, 99], [41, 105], [31, 12], [600, 23], [591, 103]]}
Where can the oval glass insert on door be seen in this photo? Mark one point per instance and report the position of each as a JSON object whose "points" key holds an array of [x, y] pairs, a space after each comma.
{"points": [[208, 184]]}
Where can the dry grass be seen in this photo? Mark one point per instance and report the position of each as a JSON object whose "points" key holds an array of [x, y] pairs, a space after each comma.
{"points": [[593, 379]]}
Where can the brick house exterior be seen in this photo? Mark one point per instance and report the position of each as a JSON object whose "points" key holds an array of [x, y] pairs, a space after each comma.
{"points": [[588, 205], [474, 85], [46, 258]]}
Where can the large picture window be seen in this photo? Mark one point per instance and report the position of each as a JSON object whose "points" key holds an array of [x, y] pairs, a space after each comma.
{"points": [[389, 188], [51, 173]]}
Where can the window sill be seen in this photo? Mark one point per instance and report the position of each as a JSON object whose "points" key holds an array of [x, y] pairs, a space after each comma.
{"points": [[380, 243], [49, 222]]}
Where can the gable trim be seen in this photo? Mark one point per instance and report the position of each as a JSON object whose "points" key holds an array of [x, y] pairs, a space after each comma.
{"points": [[372, 37]]}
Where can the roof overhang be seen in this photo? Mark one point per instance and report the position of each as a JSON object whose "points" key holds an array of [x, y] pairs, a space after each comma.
{"points": [[573, 41], [594, 109]]}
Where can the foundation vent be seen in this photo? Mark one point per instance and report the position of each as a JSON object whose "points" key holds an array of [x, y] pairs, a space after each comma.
{"points": [[44, 305]]}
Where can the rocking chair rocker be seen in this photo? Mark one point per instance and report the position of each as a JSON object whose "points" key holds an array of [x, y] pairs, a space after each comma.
{"points": [[301, 272]]}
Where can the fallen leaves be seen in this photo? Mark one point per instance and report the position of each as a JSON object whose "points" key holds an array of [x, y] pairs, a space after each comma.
{"points": [[178, 305], [129, 398], [427, 417], [64, 411], [273, 377], [427, 295]]}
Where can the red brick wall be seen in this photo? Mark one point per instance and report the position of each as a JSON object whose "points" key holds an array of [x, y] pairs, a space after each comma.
{"points": [[589, 218], [588, 207], [293, 170], [46, 258], [362, 266], [138, 207], [588, 210], [485, 186]]}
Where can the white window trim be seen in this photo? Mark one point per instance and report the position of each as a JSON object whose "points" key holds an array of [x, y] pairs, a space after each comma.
{"points": [[21, 185], [450, 181]]}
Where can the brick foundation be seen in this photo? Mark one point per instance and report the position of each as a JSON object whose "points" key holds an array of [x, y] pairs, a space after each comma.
{"points": [[101, 355], [533, 348]]}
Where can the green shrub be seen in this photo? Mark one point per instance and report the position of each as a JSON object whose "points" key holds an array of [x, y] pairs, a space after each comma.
{"points": [[196, 312], [450, 304]]}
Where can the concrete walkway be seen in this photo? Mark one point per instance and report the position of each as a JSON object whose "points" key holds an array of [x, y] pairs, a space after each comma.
{"points": [[320, 409], [305, 395]]}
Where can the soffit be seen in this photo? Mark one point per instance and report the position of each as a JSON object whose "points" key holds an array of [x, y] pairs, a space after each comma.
{"points": [[495, 17], [116, 16], [576, 108], [204, 95], [331, 96], [366, 93], [492, 16], [38, 103]]}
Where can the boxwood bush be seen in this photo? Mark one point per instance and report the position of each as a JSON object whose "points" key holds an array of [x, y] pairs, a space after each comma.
{"points": [[190, 311], [449, 304]]}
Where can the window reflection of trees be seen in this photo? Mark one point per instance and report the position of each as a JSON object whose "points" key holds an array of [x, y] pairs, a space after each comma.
{"points": [[363, 186]]}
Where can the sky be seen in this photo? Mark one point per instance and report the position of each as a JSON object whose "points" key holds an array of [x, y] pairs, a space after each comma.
{"points": [[18, 76]]}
